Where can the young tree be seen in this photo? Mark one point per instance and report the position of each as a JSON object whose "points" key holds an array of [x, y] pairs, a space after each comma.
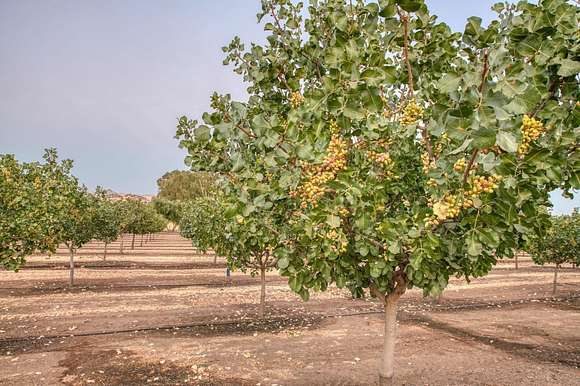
{"points": [[106, 220], [32, 198], [134, 218], [78, 222], [246, 241], [558, 245], [396, 152]]}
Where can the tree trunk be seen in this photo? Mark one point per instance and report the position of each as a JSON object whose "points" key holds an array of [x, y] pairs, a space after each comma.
{"points": [[555, 279], [262, 291], [105, 252], [133, 242], [215, 258], [122, 244], [386, 368], [517, 260], [72, 267], [141, 240]]}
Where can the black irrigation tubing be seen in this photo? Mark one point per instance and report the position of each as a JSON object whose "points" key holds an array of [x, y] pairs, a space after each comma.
{"points": [[263, 321], [146, 286]]}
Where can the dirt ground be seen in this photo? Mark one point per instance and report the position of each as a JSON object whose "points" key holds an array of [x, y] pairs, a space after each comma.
{"points": [[163, 314]]}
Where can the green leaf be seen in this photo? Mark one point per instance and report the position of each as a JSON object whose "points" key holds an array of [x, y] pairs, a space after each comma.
{"points": [[409, 5], [568, 67], [283, 263], [507, 141], [483, 138], [448, 83], [333, 221], [474, 248], [202, 133]]}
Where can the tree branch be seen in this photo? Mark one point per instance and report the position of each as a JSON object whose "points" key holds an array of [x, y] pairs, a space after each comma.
{"points": [[484, 73], [405, 20], [553, 88], [469, 165], [375, 291]]}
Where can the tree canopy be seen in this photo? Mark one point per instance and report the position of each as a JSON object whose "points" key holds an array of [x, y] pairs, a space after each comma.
{"points": [[387, 152], [33, 201], [560, 243], [180, 185]]}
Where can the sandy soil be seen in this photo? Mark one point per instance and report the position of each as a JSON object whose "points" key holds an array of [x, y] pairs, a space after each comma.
{"points": [[163, 314]]}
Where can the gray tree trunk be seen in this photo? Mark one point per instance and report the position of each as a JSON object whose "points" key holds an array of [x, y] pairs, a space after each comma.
{"points": [[142, 240], [387, 365], [554, 287], [517, 260], [215, 258], [72, 267], [133, 242], [105, 252], [262, 291], [122, 244]]}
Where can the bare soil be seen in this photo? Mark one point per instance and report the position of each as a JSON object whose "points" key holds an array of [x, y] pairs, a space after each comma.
{"points": [[164, 314]]}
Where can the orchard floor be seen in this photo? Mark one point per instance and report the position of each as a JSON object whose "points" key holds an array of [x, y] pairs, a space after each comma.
{"points": [[162, 315]]}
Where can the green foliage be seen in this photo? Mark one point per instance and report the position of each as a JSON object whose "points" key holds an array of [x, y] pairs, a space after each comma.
{"points": [[78, 216], [179, 185], [107, 219], [560, 243], [379, 149], [34, 199], [203, 222], [141, 218], [213, 223], [170, 210]]}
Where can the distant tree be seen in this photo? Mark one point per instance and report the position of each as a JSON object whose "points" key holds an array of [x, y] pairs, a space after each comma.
{"points": [[170, 210], [32, 198], [181, 185], [560, 244], [142, 219], [107, 220], [247, 242]]}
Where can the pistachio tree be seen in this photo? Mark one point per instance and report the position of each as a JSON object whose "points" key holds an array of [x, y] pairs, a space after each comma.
{"points": [[78, 221], [247, 236], [397, 152], [560, 244], [107, 220], [32, 199]]}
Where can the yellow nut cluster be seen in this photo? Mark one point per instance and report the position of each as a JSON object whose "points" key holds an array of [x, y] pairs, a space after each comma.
{"points": [[317, 176], [343, 212], [482, 184], [459, 165], [494, 149], [296, 99], [411, 113], [384, 159], [427, 163], [432, 182], [531, 130], [444, 209], [336, 237], [385, 142]]}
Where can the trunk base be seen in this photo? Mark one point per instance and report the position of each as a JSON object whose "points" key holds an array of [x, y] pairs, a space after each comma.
{"points": [[386, 381]]}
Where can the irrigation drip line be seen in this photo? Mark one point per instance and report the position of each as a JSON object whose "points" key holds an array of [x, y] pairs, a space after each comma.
{"points": [[267, 321], [146, 286]]}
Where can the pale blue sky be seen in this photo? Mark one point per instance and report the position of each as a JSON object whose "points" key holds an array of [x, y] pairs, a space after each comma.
{"points": [[104, 81]]}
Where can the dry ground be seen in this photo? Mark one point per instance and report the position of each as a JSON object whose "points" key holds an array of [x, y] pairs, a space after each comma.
{"points": [[163, 315]]}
